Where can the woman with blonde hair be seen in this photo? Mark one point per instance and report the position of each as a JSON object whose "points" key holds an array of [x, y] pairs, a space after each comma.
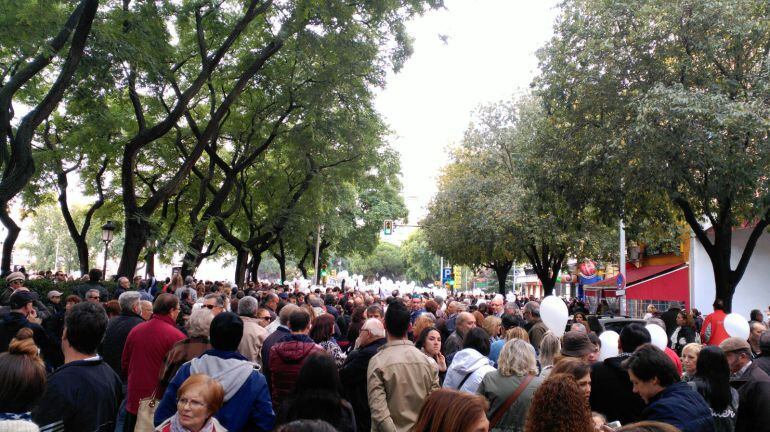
{"points": [[690, 354], [198, 399], [517, 333], [550, 349], [510, 388], [492, 325]]}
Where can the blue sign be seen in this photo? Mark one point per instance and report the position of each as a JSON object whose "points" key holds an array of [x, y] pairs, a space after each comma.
{"points": [[445, 274], [621, 281]]}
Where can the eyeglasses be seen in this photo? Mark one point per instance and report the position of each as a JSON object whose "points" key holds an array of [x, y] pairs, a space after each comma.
{"points": [[264, 317], [18, 281], [209, 307], [93, 298], [192, 402]]}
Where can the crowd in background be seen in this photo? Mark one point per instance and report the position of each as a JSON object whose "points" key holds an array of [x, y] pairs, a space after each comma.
{"points": [[182, 355]]}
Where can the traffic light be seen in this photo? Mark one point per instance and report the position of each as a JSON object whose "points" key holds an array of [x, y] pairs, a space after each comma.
{"points": [[451, 280], [387, 228]]}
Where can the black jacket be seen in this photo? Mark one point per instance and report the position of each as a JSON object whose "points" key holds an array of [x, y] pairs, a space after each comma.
{"points": [[83, 395], [115, 339], [11, 323], [353, 378], [754, 406], [612, 393], [763, 362]]}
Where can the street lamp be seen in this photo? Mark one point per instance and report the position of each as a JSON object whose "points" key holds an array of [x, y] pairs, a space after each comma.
{"points": [[107, 231]]}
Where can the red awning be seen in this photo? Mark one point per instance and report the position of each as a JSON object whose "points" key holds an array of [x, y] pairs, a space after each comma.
{"points": [[635, 275], [672, 286]]}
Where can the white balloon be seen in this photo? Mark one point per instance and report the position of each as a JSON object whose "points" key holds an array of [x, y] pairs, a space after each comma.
{"points": [[554, 314], [737, 326], [658, 336], [609, 348]]}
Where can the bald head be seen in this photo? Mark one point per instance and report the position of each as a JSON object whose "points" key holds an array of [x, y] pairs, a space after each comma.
{"points": [[374, 327], [286, 313]]}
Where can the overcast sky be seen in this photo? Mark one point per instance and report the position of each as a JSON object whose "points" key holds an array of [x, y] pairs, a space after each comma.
{"points": [[489, 55]]}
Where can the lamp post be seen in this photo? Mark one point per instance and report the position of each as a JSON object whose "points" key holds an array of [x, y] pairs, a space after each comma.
{"points": [[107, 231]]}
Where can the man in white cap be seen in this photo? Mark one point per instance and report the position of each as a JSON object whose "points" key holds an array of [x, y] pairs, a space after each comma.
{"points": [[15, 281]]}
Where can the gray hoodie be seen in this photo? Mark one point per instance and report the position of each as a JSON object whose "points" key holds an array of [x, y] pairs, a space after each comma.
{"points": [[471, 364], [231, 373]]}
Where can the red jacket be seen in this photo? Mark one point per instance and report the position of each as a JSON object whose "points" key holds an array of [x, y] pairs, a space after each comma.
{"points": [[146, 347], [286, 359], [713, 330]]}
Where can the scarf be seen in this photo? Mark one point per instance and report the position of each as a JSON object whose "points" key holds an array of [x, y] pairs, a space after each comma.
{"points": [[16, 416], [177, 427]]}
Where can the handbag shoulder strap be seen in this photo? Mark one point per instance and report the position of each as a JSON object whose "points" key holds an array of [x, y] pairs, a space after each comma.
{"points": [[511, 399], [468, 375]]}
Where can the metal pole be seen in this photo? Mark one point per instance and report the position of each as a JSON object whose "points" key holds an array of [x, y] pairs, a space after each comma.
{"points": [[104, 267], [441, 272], [622, 245], [317, 250]]}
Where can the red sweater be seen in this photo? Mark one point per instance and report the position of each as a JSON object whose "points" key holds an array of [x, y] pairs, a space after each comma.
{"points": [[146, 347], [713, 331]]}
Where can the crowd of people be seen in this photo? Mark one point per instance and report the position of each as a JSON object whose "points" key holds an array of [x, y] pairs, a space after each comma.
{"points": [[186, 355]]}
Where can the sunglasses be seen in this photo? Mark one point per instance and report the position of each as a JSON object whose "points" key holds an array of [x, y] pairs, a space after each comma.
{"points": [[264, 317], [209, 307], [94, 298]]}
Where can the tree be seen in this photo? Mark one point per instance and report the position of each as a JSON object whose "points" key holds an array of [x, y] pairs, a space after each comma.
{"points": [[670, 100], [421, 263], [384, 261], [33, 73]]}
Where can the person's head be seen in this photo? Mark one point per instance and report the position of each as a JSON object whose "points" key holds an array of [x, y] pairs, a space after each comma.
{"points": [[764, 343], [690, 357], [54, 297], [94, 275], [465, 321], [323, 328], [84, 327], [248, 306], [271, 301], [415, 303], [685, 319], [578, 369], [431, 306], [318, 372], [737, 351], [263, 314], [422, 322], [756, 315], [713, 377], [214, 302], [299, 321], [226, 331], [286, 312], [719, 304], [517, 333], [651, 309], [492, 325], [517, 357], [756, 330], [496, 305], [580, 318], [112, 308], [477, 339], [448, 410], [559, 394], [429, 341], [22, 374], [550, 348], [22, 301], [648, 426], [532, 311], [93, 295], [632, 337], [146, 309], [124, 283], [129, 302], [397, 320], [372, 330], [199, 323], [650, 371], [578, 327], [577, 344], [198, 398], [166, 304], [374, 311]]}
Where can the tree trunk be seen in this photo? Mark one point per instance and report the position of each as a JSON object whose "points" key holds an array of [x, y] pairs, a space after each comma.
{"points": [[256, 259], [281, 258], [149, 259], [194, 255], [241, 262], [720, 263], [502, 268], [136, 231], [10, 240]]}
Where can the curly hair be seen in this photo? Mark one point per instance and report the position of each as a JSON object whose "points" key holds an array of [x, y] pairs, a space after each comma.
{"points": [[559, 405]]}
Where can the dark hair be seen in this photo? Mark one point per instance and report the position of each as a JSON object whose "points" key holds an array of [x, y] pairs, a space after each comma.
{"points": [[165, 303], [372, 309], [755, 315], [85, 325], [112, 308], [719, 304], [94, 275], [323, 328], [397, 319], [423, 336], [478, 339], [633, 336], [316, 393], [307, 426], [447, 410], [226, 331], [299, 320], [431, 306], [22, 374], [712, 378], [648, 362]]}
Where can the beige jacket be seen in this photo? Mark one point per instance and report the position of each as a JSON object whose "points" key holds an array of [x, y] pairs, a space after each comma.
{"points": [[400, 378], [254, 336]]}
